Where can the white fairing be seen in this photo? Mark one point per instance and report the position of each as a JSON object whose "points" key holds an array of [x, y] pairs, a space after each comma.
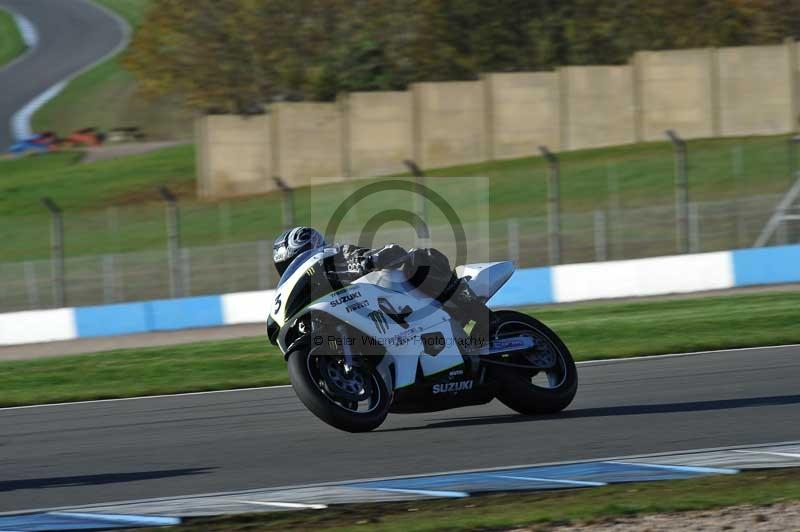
{"points": [[403, 345], [486, 278], [363, 306]]}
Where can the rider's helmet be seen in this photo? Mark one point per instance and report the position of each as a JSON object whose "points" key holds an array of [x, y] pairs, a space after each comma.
{"points": [[292, 243]]}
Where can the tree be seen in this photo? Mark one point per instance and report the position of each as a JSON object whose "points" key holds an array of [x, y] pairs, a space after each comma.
{"points": [[234, 56]]}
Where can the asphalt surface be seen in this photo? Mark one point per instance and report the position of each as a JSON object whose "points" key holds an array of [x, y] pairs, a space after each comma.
{"points": [[132, 449], [72, 35]]}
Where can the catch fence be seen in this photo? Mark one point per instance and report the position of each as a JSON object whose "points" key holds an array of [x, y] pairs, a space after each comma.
{"points": [[242, 266]]}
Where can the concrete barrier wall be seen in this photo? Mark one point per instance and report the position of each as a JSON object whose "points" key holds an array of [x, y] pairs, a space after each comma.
{"points": [[450, 123], [756, 89], [524, 113], [380, 132], [233, 155], [598, 106], [675, 92], [556, 284], [308, 142], [698, 93]]}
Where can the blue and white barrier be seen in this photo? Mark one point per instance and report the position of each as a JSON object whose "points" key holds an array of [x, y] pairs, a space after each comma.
{"points": [[530, 286]]}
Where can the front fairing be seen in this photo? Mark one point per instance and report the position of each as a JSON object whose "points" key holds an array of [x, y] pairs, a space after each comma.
{"points": [[396, 322], [380, 311], [304, 281]]}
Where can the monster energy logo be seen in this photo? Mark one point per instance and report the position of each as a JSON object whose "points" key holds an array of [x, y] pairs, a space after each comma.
{"points": [[379, 320]]}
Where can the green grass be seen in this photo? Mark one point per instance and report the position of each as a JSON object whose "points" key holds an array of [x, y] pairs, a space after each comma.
{"points": [[517, 189], [539, 509], [592, 331], [11, 43], [106, 96]]}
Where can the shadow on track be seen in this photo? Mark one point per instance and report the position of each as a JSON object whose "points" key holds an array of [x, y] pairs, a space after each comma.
{"points": [[94, 480], [629, 410]]}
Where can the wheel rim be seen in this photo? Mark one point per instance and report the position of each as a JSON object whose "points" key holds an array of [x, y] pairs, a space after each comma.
{"points": [[357, 391], [544, 352]]}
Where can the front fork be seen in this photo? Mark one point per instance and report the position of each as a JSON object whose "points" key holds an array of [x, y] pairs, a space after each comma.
{"points": [[348, 353]]}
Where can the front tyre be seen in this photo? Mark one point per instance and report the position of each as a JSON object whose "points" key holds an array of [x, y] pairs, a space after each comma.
{"points": [[353, 400], [534, 391]]}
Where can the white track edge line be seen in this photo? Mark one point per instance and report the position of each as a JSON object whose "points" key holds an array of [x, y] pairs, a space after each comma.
{"points": [[20, 120], [277, 386], [29, 35], [281, 504]]}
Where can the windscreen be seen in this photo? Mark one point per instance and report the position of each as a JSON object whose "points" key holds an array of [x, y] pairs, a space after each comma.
{"points": [[297, 263]]}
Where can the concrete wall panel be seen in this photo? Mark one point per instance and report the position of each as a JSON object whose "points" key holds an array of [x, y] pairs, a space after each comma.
{"points": [[308, 142], [233, 155], [524, 113], [599, 106], [698, 93], [451, 123], [380, 132], [755, 95], [675, 93]]}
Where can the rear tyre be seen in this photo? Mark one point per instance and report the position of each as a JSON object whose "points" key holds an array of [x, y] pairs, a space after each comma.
{"points": [[354, 401], [534, 391]]}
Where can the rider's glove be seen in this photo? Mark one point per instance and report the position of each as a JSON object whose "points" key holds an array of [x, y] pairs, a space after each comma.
{"points": [[386, 257], [359, 264]]}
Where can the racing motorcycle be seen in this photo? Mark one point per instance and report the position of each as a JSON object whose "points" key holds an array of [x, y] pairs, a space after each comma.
{"points": [[360, 348]]}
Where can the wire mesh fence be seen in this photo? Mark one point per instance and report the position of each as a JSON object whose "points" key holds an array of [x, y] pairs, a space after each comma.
{"points": [[616, 204], [241, 266]]}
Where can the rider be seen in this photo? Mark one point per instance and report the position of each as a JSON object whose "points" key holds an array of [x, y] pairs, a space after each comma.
{"points": [[427, 269]]}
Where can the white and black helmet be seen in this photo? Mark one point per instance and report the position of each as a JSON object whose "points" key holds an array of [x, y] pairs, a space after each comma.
{"points": [[292, 243]]}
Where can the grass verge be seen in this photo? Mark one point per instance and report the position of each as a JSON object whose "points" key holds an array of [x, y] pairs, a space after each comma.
{"points": [[517, 189], [517, 510], [592, 331], [106, 95], [11, 43]]}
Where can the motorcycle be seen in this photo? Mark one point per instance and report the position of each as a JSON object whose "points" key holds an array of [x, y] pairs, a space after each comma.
{"points": [[358, 349]]}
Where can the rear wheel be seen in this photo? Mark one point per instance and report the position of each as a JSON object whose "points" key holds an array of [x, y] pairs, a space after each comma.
{"points": [[552, 380], [351, 399]]}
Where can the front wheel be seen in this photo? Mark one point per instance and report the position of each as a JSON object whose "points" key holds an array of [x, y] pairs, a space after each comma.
{"points": [[534, 391], [351, 399]]}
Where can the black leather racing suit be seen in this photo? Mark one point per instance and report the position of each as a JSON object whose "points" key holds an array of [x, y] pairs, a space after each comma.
{"points": [[427, 269]]}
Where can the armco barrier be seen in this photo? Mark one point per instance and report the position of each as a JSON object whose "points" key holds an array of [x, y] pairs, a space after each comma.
{"points": [[531, 286]]}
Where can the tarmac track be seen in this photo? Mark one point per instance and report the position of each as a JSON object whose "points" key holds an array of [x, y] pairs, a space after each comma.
{"points": [[133, 449], [72, 35]]}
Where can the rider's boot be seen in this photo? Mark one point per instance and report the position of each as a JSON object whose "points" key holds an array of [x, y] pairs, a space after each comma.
{"points": [[464, 305]]}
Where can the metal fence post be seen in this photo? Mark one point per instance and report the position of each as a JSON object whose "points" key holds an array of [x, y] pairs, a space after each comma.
{"points": [[737, 158], [694, 228], [173, 241], [512, 228], [420, 207], [109, 279], [287, 200], [793, 141], [553, 206], [57, 252], [600, 235], [225, 221], [186, 272], [681, 192], [793, 230], [615, 208], [112, 218], [30, 284]]}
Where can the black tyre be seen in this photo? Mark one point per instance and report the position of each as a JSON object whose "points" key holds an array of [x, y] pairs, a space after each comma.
{"points": [[534, 391], [354, 401]]}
